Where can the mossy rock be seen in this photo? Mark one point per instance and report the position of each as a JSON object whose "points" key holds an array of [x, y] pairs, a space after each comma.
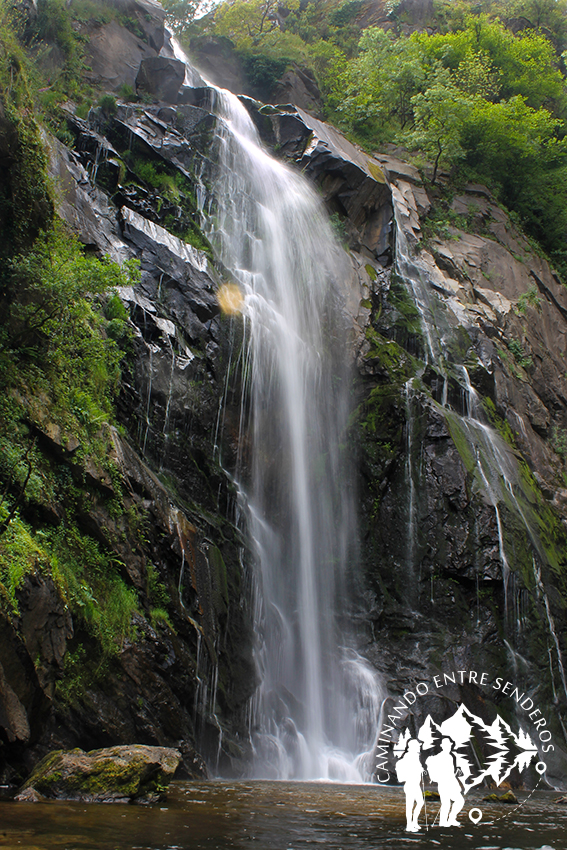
{"points": [[135, 773], [431, 795], [509, 798]]}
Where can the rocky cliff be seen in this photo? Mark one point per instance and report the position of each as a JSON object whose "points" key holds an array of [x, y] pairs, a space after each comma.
{"points": [[460, 426]]}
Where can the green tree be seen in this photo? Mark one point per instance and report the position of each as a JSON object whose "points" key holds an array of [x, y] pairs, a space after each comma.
{"points": [[181, 13], [247, 22], [546, 16], [51, 327], [439, 115]]}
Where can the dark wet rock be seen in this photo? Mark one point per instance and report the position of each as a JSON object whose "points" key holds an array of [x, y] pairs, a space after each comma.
{"points": [[180, 536], [185, 272], [46, 627], [217, 59], [161, 77], [195, 96], [298, 86], [84, 207], [23, 702], [352, 183], [134, 773]]}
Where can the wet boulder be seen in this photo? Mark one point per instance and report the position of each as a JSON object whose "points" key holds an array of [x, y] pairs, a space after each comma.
{"points": [[353, 184], [135, 773], [161, 77]]}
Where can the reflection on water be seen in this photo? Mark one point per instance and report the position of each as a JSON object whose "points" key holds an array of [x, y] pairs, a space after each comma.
{"points": [[277, 816]]}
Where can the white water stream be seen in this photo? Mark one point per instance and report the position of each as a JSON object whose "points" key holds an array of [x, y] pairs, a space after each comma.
{"points": [[315, 713], [495, 466]]}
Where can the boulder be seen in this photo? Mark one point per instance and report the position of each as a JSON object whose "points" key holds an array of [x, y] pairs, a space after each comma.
{"points": [[509, 798], [298, 86], [353, 184], [114, 54], [113, 775], [161, 77], [115, 49]]}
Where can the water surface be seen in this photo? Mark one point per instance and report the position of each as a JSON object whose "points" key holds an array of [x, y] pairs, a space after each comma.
{"points": [[278, 816]]}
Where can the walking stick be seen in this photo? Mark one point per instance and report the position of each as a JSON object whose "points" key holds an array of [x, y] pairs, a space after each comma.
{"points": [[424, 802]]}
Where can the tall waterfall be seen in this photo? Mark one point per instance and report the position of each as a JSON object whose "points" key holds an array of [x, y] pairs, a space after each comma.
{"points": [[316, 710]]}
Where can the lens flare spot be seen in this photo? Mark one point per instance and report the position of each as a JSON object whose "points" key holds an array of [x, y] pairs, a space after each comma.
{"points": [[230, 299]]}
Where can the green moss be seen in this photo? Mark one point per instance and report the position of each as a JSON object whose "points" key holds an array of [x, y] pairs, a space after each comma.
{"points": [[499, 423], [459, 345], [408, 320], [26, 204], [220, 584], [110, 776], [392, 359]]}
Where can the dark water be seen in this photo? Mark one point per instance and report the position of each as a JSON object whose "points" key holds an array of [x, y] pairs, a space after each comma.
{"points": [[278, 816]]}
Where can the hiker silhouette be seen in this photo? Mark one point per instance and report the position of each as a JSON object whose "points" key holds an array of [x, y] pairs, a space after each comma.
{"points": [[442, 770], [409, 771]]}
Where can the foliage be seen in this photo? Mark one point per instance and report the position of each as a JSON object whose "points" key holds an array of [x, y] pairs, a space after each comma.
{"points": [[87, 576], [345, 13], [263, 72], [520, 356], [528, 299], [92, 585], [58, 361], [181, 13], [54, 25], [108, 104], [482, 99], [25, 202], [50, 319], [247, 22], [174, 187], [559, 441]]}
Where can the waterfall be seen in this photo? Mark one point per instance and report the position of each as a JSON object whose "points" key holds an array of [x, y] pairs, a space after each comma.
{"points": [[315, 712], [490, 460]]}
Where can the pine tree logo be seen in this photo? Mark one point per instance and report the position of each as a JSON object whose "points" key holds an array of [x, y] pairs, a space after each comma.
{"points": [[457, 754]]}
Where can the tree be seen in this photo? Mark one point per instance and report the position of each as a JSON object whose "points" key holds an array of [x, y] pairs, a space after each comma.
{"points": [[246, 22], [182, 13], [439, 115]]}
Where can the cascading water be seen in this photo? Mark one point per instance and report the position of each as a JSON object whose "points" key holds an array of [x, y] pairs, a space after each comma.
{"points": [[316, 710], [490, 460]]}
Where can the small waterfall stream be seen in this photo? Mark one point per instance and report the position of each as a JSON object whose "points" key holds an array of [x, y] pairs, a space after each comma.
{"points": [[491, 461], [315, 712]]}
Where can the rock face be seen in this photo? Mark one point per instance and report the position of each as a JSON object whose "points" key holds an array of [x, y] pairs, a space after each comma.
{"points": [[471, 325], [161, 77], [114, 51], [114, 775], [461, 380], [352, 183], [299, 87]]}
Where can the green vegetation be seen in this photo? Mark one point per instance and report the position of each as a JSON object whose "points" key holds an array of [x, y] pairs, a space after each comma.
{"points": [[473, 97], [528, 299], [52, 329], [60, 360], [522, 359], [59, 373]]}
